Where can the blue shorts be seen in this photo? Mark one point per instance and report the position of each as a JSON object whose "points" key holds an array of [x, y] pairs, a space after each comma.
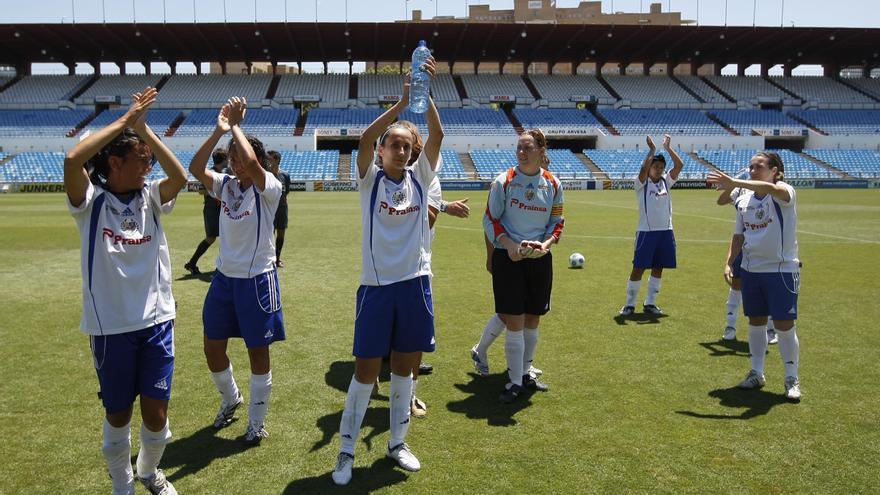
{"points": [[771, 294], [248, 308], [737, 266], [654, 249], [396, 317], [134, 363]]}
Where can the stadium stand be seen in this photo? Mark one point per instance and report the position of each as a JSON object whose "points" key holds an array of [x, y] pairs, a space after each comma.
{"points": [[158, 119], [744, 121], [796, 166], [557, 119], [857, 163], [475, 121], [563, 163], [41, 91], [842, 121], [371, 87], [212, 90], [675, 122], [262, 122], [451, 168], [706, 92], [750, 89], [330, 89], [651, 91], [200, 123], [824, 92], [331, 118], [867, 84], [311, 165], [444, 92], [481, 87], [40, 123], [565, 89], [117, 86], [34, 166], [625, 164]]}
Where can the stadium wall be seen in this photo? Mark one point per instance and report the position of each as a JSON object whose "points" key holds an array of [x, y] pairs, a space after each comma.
{"points": [[687, 143], [859, 141]]}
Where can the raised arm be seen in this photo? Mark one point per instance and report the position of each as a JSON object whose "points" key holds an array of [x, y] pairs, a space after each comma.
{"points": [[646, 164], [248, 159], [724, 198], [677, 164], [197, 166], [374, 131], [175, 179], [726, 182], [76, 178], [435, 128]]}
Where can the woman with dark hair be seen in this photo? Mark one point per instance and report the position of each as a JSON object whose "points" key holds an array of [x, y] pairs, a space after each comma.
{"points": [[655, 240], [244, 300], [394, 307], [128, 308], [765, 233], [523, 220]]}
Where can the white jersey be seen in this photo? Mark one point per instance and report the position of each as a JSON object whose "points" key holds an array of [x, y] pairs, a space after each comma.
{"points": [[655, 204], [435, 197], [769, 226], [126, 267], [396, 243], [247, 243]]}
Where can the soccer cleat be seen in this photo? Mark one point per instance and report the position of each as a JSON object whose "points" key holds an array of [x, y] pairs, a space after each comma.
{"points": [[729, 333], [652, 309], [279, 264], [425, 368], [227, 413], [192, 268], [534, 372], [772, 338], [528, 381], [404, 457], [511, 392], [480, 364], [417, 408], [342, 473], [792, 388], [158, 484], [753, 380], [255, 435], [627, 311]]}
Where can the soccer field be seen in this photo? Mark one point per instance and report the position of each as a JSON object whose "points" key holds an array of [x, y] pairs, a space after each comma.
{"points": [[635, 406]]}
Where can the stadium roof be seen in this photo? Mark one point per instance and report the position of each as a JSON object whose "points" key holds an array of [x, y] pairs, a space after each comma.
{"points": [[21, 45]]}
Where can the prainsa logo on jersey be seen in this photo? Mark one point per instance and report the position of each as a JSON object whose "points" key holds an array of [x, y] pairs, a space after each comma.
{"points": [[398, 197], [121, 239], [129, 225], [515, 203], [394, 211]]}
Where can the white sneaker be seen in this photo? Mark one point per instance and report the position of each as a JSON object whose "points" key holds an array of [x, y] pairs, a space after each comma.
{"points": [[534, 372], [227, 413], [772, 338], [792, 388], [729, 333], [158, 484], [481, 364], [342, 473], [404, 457], [255, 434], [753, 380], [417, 408]]}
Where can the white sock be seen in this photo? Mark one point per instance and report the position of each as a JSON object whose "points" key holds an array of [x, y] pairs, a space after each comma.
{"points": [[734, 301], [261, 388], [530, 341], [353, 415], [493, 329], [790, 350], [514, 347], [415, 383], [225, 383], [770, 324], [152, 447], [400, 391], [117, 449], [632, 291], [653, 290], [758, 346]]}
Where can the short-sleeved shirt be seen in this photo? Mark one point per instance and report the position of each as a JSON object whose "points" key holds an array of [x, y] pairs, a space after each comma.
{"points": [[396, 243], [524, 207], [769, 226], [435, 197], [125, 263], [655, 204], [247, 246]]}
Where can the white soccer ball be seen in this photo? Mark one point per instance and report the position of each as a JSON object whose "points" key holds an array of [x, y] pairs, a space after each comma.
{"points": [[576, 260]]}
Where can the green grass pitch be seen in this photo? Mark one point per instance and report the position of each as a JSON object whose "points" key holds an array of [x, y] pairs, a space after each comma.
{"points": [[634, 407]]}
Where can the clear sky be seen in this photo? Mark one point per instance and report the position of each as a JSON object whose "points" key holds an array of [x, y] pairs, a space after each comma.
{"points": [[840, 13]]}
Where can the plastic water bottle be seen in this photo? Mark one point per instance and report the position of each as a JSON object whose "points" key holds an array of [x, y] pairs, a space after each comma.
{"points": [[419, 88]]}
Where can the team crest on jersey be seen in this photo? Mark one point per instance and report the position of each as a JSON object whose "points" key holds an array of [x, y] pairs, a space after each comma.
{"points": [[129, 225], [760, 214], [237, 204], [530, 194], [398, 197]]}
